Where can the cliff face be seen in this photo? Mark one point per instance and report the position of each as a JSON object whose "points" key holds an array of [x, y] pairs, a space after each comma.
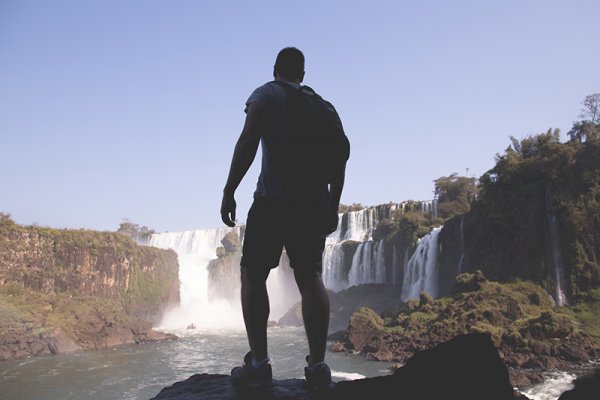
{"points": [[62, 290], [109, 265]]}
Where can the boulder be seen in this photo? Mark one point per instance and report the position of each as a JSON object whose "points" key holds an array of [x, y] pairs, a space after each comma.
{"points": [[231, 242]]}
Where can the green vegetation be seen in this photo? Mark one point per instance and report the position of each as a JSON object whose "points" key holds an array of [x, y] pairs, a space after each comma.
{"points": [[536, 179], [588, 312], [134, 231], [520, 317], [455, 195], [520, 309], [343, 208]]}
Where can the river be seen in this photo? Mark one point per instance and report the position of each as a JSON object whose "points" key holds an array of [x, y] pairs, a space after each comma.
{"points": [[140, 371]]}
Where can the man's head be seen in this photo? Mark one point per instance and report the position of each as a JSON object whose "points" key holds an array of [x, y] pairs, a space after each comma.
{"points": [[289, 65]]}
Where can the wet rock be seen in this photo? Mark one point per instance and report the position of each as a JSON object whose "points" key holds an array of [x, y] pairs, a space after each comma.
{"points": [[293, 317], [337, 347]]}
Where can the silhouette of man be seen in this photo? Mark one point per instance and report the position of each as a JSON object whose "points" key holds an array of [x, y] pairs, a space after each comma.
{"points": [[298, 218]]}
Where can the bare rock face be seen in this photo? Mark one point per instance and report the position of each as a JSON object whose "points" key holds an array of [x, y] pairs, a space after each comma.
{"points": [[66, 290], [231, 242], [467, 367], [104, 264]]}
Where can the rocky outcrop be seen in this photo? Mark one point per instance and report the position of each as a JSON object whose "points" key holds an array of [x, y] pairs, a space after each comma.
{"points": [[519, 317], [466, 367], [94, 333], [65, 290], [343, 304], [224, 271]]}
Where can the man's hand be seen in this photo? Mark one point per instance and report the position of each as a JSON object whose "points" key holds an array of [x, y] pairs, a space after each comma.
{"points": [[228, 209]]}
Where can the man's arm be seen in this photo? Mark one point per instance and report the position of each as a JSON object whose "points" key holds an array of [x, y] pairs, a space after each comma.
{"points": [[335, 189], [243, 156]]}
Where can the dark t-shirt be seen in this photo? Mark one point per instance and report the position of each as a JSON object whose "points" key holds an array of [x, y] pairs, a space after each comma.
{"points": [[270, 181]]}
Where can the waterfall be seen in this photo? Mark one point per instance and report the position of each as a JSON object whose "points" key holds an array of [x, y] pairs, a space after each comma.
{"points": [[554, 256], [379, 257], [355, 226], [195, 249], [351, 257], [421, 271], [332, 272], [461, 239], [368, 264], [360, 272]]}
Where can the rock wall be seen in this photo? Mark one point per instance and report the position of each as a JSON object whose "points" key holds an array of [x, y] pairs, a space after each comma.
{"points": [[65, 290], [143, 279]]}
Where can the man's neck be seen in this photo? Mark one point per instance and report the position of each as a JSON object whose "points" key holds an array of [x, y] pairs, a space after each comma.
{"points": [[283, 79]]}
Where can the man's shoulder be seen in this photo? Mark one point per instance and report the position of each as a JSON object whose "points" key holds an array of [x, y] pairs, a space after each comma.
{"points": [[266, 93]]}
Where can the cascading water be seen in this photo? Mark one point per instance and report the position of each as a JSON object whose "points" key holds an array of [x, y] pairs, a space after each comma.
{"points": [[368, 264], [555, 258], [360, 272], [195, 249], [461, 259], [332, 273], [364, 262], [379, 259], [421, 271]]}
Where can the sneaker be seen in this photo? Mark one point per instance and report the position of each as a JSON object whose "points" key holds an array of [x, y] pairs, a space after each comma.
{"points": [[247, 374], [318, 376]]}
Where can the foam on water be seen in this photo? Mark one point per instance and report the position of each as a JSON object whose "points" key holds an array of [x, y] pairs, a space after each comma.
{"points": [[555, 384], [347, 376]]}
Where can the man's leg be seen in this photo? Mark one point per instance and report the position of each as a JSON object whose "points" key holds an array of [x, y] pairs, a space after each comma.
{"points": [[315, 312], [255, 306]]}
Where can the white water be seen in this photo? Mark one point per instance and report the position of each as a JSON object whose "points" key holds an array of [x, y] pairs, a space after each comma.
{"points": [[555, 384], [360, 227], [421, 271], [556, 260], [368, 263], [461, 260], [195, 249], [332, 273]]}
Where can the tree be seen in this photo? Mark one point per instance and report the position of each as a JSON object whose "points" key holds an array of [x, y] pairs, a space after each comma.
{"points": [[591, 108], [583, 131], [134, 231], [588, 128], [129, 229], [454, 194]]}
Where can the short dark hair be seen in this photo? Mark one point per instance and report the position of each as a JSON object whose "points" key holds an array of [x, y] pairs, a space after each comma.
{"points": [[290, 63]]}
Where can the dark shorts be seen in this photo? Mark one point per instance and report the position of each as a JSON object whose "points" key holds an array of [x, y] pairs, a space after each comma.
{"points": [[296, 224]]}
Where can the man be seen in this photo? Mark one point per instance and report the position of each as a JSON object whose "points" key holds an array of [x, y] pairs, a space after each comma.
{"points": [[284, 213]]}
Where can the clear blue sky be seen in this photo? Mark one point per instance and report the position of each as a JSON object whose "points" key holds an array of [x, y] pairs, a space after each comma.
{"points": [[112, 109]]}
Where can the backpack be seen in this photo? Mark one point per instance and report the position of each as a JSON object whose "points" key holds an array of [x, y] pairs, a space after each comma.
{"points": [[315, 147]]}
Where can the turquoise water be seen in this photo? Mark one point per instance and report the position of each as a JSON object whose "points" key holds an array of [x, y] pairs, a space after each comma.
{"points": [[141, 371]]}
